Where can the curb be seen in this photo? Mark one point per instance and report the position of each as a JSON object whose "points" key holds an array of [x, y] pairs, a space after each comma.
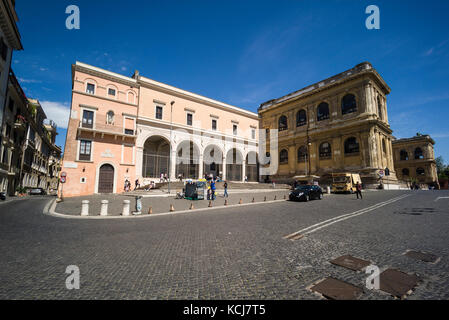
{"points": [[50, 207]]}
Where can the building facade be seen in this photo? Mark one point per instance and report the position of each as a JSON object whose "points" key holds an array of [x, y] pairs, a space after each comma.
{"points": [[414, 160], [9, 41], [127, 128], [336, 125]]}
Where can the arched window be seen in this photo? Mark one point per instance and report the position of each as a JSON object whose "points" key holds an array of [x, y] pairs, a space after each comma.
{"points": [[420, 171], [130, 97], [301, 118], [322, 111], [283, 156], [405, 172], [302, 154], [110, 117], [325, 150], [379, 107], [403, 155], [283, 123], [348, 104], [419, 154], [351, 145]]}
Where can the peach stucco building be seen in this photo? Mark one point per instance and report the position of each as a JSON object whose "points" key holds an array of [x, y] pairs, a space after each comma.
{"points": [[137, 128]]}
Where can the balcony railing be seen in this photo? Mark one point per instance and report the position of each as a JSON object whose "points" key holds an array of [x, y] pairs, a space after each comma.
{"points": [[104, 128]]}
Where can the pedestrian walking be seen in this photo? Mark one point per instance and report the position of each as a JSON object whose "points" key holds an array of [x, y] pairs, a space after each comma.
{"points": [[137, 184], [358, 190], [225, 195], [162, 178]]}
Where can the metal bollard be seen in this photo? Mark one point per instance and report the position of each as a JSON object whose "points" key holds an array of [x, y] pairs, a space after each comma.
{"points": [[138, 205], [85, 207], [125, 211], [104, 208]]}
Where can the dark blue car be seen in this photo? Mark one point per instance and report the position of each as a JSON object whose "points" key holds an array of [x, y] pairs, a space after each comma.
{"points": [[306, 193]]}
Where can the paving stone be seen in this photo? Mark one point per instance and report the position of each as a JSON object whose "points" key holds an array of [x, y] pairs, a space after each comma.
{"points": [[337, 290]]}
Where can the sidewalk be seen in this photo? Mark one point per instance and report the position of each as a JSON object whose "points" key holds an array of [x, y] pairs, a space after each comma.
{"points": [[161, 204]]}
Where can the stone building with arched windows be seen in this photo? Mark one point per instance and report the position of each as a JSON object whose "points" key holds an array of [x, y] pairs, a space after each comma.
{"points": [[127, 128], [339, 124], [414, 160]]}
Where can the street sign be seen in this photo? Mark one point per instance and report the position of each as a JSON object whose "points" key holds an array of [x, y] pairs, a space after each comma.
{"points": [[62, 179], [63, 174]]}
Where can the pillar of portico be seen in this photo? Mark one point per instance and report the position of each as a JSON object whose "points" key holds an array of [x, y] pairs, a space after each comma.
{"points": [[224, 168], [243, 170], [200, 166], [172, 168]]}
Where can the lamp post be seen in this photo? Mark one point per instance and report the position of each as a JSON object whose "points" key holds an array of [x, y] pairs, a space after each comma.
{"points": [[169, 156]]}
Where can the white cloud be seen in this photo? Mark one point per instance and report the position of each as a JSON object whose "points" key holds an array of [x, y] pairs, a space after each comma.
{"points": [[57, 111], [29, 80]]}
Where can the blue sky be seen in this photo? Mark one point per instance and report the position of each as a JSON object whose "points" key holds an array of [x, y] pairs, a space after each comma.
{"points": [[244, 52]]}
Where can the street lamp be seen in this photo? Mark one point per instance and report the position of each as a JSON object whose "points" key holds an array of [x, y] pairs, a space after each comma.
{"points": [[169, 155]]}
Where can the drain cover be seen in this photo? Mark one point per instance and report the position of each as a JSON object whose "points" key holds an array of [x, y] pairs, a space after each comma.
{"points": [[397, 283], [416, 211], [418, 255], [337, 290], [350, 262]]}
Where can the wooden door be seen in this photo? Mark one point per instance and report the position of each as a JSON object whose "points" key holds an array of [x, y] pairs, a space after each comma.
{"points": [[106, 179]]}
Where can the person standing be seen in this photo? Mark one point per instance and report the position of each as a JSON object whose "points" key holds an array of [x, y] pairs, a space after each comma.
{"points": [[358, 190], [212, 189], [137, 184], [225, 195]]}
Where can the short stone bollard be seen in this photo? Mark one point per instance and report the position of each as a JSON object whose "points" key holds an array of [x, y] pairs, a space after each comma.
{"points": [[328, 189], [265, 198], [85, 207], [210, 204], [172, 208], [274, 197], [253, 200], [226, 202], [150, 210], [104, 208], [240, 202], [126, 204], [191, 206]]}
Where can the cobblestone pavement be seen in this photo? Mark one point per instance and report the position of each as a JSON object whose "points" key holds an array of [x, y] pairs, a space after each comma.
{"points": [[222, 253], [72, 206]]}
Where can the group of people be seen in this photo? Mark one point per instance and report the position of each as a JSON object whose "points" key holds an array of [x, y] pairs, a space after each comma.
{"points": [[127, 186], [212, 189]]}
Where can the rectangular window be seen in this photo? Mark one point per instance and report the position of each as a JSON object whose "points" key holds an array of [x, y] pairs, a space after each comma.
{"points": [[11, 104], [189, 119], [234, 129], [88, 119], [253, 133], [158, 112], [111, 92], [214, 124], [85, 149], [3, 49], [129, 131], [90, 88]]}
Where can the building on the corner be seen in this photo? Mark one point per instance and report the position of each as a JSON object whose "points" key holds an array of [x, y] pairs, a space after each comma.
{"points": [[339, 124], [127, 128], [414, 160], [9, 41]]}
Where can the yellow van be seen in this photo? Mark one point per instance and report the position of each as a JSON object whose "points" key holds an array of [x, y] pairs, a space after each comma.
{"points": [[345, 182]]}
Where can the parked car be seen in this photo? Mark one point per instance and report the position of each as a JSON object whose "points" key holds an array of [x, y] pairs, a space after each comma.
{"points": [[306, 193], [37, 191], [2, 196]]}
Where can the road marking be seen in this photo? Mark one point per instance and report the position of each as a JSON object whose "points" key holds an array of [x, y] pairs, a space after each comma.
{"points": [[326, 223], [441, 198]]}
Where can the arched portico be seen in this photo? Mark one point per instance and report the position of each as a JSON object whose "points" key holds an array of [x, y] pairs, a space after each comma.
{"points": [[252, 166], [212, 160], [187, 160], [234, 165], [156, 153]]}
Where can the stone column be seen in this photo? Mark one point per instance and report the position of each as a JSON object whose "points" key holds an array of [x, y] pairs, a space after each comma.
{"points": [[172, 169], [200, 166], [243, 170], [224, 167]]}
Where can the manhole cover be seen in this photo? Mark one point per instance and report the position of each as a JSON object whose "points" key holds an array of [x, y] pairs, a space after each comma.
{"points": [[418, 255], [337, 290], [397, 283], [350, 262]]}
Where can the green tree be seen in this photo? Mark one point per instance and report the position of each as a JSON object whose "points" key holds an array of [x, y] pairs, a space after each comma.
{"points": [[442, 169]]}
